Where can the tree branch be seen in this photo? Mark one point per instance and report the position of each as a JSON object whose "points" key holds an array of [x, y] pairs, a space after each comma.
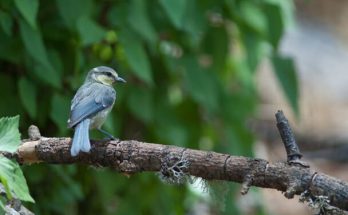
{"points": [[134, 157], [177, 164]]}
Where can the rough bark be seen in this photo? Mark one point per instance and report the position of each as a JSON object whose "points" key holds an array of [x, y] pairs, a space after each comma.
{"points": [[177, 164], [135, 157]]}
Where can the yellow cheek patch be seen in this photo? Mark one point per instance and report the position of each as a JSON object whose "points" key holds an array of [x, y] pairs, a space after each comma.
{"points": [[105, 79]]}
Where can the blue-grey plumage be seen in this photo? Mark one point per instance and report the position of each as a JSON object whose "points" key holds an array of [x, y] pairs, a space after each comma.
{"points": [[91, 105]]}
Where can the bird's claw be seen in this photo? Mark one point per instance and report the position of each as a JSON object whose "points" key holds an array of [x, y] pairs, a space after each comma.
{"points": [[111, 138]]}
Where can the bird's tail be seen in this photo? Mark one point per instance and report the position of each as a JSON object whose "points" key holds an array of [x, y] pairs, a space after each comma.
{"points": [[81, 138]]}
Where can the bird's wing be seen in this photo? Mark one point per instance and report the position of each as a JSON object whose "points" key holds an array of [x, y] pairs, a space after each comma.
{"points": [[89, 100]]}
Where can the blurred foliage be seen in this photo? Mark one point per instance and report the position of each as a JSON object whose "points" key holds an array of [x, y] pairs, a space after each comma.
{"points": [[189, 65], [11, 175]]}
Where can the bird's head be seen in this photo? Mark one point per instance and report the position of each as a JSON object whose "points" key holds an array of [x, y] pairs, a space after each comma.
{"points": [[104, 75]]}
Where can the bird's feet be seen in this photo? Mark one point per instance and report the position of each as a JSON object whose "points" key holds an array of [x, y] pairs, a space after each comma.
{"points": [[108, 135], [111, 138]]}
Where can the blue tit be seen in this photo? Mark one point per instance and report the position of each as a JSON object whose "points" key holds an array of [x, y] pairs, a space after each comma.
{"points": [[91, 105]]}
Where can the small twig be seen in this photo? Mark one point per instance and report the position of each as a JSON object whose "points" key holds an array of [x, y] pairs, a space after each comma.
{"points": [[292, 150], [246, 184], [320, 202], [34, 133]]}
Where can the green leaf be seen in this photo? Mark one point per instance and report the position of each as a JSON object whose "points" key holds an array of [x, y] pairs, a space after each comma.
{"points": [[90, 31], [139, 20], [239, 139], [71, 11], [13, 179], [136, 57], [6, 23], [28, 94], [201, 84], [2, 207], [140, 102], [74, 188], [35, 47], [173, 133], [56, 61], [47, 74], [254, 50], [33, 42], [217, 50], [169, 128], [274, 17], [9, 134], [175, 10], [284, 69], [60, 106], [28, 9], [287, 9], [253, 17], [195, 22], [118, 15]]}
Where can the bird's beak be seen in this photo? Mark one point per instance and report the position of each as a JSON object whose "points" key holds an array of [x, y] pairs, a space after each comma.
{"points": [[119, 79]]}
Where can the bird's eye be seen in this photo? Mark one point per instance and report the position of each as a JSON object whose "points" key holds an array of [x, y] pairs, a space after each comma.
{"points": [[109, 74]]}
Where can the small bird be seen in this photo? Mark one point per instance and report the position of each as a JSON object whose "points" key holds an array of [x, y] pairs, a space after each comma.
{"points": [[91, 105]]}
